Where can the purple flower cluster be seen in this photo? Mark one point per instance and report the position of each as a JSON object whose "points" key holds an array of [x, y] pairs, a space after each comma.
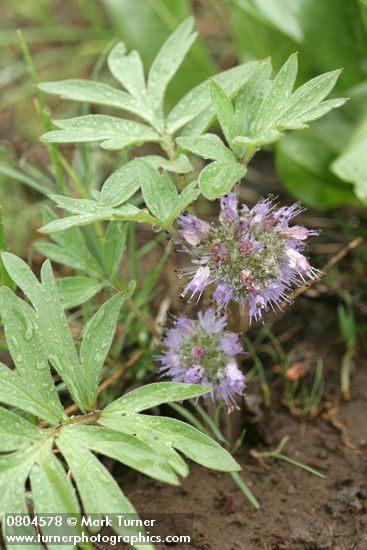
{"points": [[252, 255], [201, 351]]}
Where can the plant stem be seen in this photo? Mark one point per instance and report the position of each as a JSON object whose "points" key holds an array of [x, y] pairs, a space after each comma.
{"points": [[347, 362], [43, 113], [151, 326]]}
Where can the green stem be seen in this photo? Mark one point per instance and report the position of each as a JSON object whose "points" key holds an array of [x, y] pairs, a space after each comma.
{"points": [[43, 112], [347, 362], [245, 489], [151, 326], [5, 279]]}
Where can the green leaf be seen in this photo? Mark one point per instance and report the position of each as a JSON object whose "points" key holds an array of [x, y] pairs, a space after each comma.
{"points": [[159, 191], [71, 250], [125, 425], [79, 206], [277, 97], [77, 290], [146, 28], [345, 42], [127, 69], [207, 146], [168, 60], [218, 178], [187, 197], [93, 479], [196, 105], [181, 165], [152, 395], [245, 489], [53, 492], [14, 470], [127, 212], [16, 432], [307, 96], [22, 275], [114, 247], [96, 343], [57, 339], [21, 177], [173, 433], [351, 165], [223, 109], [114, 133], [93, 92], [303, 163], [250, 97], [14, 391], [126, 449], [279, 14], [316, 112], [77, 220], [121, 185], [193, 443], [25, 342]]}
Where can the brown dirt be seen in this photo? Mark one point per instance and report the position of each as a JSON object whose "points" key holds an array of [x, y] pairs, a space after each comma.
{"points": [[298, 511]]}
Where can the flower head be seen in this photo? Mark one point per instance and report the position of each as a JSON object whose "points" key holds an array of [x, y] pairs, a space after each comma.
{"points": [[201, 351], [252, 256]]}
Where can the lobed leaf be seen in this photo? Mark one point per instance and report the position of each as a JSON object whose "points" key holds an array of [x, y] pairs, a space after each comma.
{"points": [[57, 339], [126, 449], [53, 493], [173, 433], [14, 471], [223, 110], [25, 342], [93, 92], [128, 70], [277, 97], [195, 107], [16, 432], [168, 60], [96, 343], [159, 191], [181, 165], [14, 391], [114, 247], [218, 178], [70, 248], [121, 185], [114, 133], [187, 197], [308, 96], [77, 290], [207, 146], [152, 395], [148, 437], [92, 479]]}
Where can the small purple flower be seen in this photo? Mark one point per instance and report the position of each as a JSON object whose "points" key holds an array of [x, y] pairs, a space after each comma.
{"points": [[222, 295], [192, 229], [252, 256], [228, 205], [199, 281], [205, 356]]}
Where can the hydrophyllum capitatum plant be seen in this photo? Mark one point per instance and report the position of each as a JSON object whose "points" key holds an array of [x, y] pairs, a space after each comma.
{"points": [[252, 256], [201, 351]]}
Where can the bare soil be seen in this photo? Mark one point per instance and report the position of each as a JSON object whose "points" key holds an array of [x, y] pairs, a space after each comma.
{"points": [[298, 511]]}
